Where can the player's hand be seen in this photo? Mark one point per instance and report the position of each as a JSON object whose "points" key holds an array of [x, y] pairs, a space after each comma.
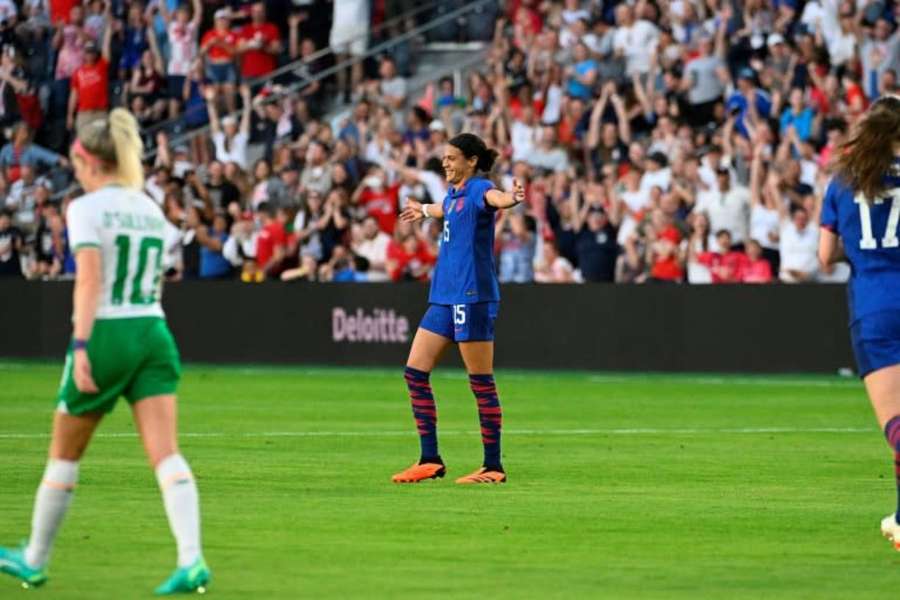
{"points": [[412, 212], [84, 381], [518, 191]]}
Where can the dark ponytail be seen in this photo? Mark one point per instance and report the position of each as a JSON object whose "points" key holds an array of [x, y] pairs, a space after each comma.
{"points": [[472, 145], [867, 155]]}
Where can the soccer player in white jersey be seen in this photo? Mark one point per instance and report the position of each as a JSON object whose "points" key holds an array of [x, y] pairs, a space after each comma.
{"points": [[120, 346]]}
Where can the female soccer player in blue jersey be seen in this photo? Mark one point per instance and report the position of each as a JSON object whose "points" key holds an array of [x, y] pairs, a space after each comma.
{"points": [[463, 302], [862, 208]]}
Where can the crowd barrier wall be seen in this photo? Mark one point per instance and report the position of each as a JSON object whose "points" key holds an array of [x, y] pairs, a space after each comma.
{"points": [[752, 329]]}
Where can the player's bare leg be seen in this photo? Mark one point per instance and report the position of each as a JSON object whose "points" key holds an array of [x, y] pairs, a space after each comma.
{"points": [[70, 438], [883, 387], [427, 350], [479, 360], [156, 419]]}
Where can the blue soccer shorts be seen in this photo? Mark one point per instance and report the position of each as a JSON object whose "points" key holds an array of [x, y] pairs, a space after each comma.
{"points": [[876, 341], [462, 322]]}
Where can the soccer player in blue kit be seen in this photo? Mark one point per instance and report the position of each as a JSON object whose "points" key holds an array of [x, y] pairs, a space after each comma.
{"points": [[463, 304], [861, 209]]}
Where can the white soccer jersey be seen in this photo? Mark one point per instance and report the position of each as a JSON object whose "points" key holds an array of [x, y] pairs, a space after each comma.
{"points": [[128, 228]]}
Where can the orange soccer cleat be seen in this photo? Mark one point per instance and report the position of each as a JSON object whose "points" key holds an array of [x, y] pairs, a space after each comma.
{"points": [[420, 472], [483, 475]]}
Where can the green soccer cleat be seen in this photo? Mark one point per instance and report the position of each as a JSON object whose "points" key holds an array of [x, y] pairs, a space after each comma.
{"points": [[186, 580], [12, 562]]}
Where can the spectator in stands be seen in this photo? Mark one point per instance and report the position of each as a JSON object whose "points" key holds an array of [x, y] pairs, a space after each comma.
{"points": [[799, 239], [728, 206], [21, 151], [259, 44], [516, 248], [547, 154], [372, 244], [11, 243], [22, 198], [725, 264], [349, 39], [756, 269], [391, 88], [51, 250], [553, 268], [230, 137], [213, 264], [701, 242], [183, 31], [219, 46], [316, 175], [379, 198], [89, 94], [409, 256], [596, 244]]}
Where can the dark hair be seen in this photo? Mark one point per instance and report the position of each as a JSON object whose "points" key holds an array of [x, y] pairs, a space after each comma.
{"points": [[472, 145], [265, 208], [866, 156]]}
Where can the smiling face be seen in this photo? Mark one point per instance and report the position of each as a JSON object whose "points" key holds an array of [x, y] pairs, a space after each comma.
{"points": [[457, 168]]}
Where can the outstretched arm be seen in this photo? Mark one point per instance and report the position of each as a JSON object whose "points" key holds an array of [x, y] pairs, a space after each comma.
{"points": [[416, 211], [245, 112], [499, 199]]}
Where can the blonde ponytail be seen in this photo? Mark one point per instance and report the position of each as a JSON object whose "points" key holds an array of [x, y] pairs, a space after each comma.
{"points": [[115, 141], [123, 129]]}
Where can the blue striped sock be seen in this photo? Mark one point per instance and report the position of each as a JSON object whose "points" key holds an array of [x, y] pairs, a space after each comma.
{"points": [[424, 412], [491, 416]]}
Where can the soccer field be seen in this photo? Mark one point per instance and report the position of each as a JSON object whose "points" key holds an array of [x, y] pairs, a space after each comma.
{"points": [[621, 486]]}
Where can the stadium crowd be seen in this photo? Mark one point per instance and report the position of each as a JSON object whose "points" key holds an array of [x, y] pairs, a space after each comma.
{"points": [[660, 140]]}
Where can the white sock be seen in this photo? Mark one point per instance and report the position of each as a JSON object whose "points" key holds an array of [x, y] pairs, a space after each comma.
{"points": [[50, 504], [182, 506]]}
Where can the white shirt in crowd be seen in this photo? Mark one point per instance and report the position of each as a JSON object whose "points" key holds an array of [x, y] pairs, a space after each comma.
{"points": [[375, 251], [522, 137], [635, 201], [637, 43], [237, 153], [729, 210], [798, 249], [764, 221], [660, 178], [182, 48], [555, 159]]}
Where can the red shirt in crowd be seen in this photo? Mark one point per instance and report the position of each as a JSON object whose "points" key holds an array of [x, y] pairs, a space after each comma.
{"points": [[399, 258], [756, 271], [666, 266], [382, 204], [60, 10], [725, 268], [216, 52], [92, 84], [257, 61], [270, 237]]}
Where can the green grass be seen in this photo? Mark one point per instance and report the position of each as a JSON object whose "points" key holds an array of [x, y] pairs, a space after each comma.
{"points": [[621, 486]]}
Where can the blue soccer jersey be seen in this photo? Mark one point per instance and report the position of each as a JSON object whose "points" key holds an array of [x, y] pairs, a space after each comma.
{"points": [[465, 272], [869, 231]]}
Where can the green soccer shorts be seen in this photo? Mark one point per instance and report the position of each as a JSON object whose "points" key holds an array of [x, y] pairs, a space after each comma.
{"points": [[135, 357]]}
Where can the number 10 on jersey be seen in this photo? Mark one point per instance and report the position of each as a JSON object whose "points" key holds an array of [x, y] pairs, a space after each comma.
{"points": [[890, 240]]}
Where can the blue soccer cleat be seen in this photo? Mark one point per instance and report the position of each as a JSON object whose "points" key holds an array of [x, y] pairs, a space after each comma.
{"points": [[12, 562], [186, 580]]}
